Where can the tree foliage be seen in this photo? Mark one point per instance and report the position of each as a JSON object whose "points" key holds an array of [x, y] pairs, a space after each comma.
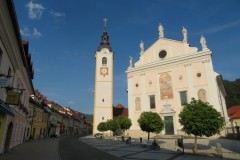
{"points": [[124, 122], [112, 125], [150, 122], [233, 92], [200, 119], [102, 127]]}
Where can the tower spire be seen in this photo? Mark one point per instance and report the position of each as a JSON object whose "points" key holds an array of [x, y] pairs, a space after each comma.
{"points": [[104, 42]]}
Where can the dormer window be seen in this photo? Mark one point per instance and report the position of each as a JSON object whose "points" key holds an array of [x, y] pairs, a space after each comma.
{"points": [[104, 61]]}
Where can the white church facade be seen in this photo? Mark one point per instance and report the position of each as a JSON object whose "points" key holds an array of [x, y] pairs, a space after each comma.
{"points": [[166, 76]]}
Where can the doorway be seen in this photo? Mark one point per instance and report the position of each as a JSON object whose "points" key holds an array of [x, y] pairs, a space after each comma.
{"points": [[169, 127], [8, 137]]}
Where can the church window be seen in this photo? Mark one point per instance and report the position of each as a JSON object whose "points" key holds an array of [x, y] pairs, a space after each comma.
{"points": [[150, 82], [162, 54], [183, 97], [137, 85], [138, 104], [181, 77], [202, 95], [199, 74], [104, 61], [152, 102]]}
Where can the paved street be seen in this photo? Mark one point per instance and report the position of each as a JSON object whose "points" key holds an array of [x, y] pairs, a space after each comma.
{"points": [[71, 149], [90, 148]]}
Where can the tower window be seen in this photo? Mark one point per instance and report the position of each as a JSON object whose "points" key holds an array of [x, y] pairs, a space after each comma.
{"points": [[104, 61]]}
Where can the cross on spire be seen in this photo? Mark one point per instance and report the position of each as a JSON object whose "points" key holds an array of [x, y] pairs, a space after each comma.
{"points": [[105, 22]]}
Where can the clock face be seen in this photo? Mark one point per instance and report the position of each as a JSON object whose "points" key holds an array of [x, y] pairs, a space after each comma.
{"points": [[104, 71]]}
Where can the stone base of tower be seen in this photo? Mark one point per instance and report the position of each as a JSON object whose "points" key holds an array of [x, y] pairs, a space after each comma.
{"points": [[101, 114]]}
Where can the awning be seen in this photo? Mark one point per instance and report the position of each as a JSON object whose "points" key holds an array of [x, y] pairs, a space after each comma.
{"points": [[4, 108]]}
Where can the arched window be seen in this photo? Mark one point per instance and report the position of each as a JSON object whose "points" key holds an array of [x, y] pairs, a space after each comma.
{"points": [[104, 61], [138, 104], [202, 95]]}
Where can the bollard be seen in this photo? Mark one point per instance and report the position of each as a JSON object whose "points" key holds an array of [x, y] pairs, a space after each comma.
{"points": [[219, 150], [140, 139]]}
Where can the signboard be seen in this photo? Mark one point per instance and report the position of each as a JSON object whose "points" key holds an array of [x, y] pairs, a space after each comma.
{"points": [[4, 82], [12, 98]]}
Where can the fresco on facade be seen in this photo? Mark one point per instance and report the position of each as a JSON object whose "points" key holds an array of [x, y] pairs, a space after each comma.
{"points": [[202, 95], [166, 91]]}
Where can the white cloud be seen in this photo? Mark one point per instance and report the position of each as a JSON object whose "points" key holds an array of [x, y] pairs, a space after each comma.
{"points": [[35, 10], [221, 27], [57, 14], [71, 102], [26, 32], [36, 33]]}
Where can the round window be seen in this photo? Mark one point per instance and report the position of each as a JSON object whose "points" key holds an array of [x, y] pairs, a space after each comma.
{"points": [[199, 74], [162, 54]]}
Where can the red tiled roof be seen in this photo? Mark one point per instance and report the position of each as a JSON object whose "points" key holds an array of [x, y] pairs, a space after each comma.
{"points": [[120, 110], [234, 112], [119, 106]]}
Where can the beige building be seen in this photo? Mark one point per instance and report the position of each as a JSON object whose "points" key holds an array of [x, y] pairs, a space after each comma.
{"points": [[167, 75]]}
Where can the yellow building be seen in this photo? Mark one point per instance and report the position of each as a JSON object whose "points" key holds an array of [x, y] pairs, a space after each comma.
{"points": [[38, 120]]}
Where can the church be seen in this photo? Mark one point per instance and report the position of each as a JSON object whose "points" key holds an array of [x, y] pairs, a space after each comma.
{"points": [[167, 75]]}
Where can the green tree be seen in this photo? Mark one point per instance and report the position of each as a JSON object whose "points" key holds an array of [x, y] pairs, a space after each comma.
{"points": [[102, 127], [233, 92], [112, 125], [124, 123], [150, 122], [200, 119]]}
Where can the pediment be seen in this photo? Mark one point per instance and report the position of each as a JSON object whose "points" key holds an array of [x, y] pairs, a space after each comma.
{"points": [[172, 49]]}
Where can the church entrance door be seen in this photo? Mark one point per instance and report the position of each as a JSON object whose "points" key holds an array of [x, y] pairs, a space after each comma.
{"points": [[169, 128]]}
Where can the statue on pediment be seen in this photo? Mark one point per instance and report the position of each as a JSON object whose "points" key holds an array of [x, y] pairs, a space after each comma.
{"points": [[161, 31], [184, 32], [141, 47], [203, 42]]}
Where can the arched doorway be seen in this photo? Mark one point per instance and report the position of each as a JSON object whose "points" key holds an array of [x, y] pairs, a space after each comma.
{"points": [[8, 137]]}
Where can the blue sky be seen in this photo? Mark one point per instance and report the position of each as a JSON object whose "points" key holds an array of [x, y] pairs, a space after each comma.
{"points": [[64, 36]]}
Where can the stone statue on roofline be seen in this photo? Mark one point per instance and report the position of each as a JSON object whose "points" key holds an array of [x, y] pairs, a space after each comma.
{"points": [[184, 32], [161, 31], [141, 47], [203, 42], [130, 62]]}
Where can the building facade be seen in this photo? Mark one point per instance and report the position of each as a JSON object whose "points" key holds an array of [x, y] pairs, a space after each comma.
{"points": [[103, 92], [16, 74], [167, 75]]}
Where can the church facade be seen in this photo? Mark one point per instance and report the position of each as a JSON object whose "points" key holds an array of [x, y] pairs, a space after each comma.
{"points": [[167, 75]]}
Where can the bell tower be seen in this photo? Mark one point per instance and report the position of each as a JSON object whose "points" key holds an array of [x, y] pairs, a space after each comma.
{"points": [[103, 92]]}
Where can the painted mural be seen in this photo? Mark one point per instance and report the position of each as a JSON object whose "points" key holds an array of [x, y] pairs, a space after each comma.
{"points": [[166, 91]]}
